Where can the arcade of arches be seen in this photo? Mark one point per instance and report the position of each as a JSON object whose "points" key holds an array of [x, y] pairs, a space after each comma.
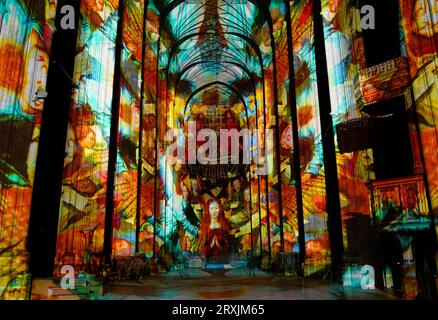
{"points": [[344, 116]]}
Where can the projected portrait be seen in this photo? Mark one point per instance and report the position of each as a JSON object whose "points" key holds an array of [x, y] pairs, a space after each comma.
{"points": [[215, 233]]}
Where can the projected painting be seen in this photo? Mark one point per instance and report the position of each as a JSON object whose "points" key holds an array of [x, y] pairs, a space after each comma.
{"points": [[25, 31], [419, 22], [309, 132], [345, 58], [287, 151], [82, 214], [189, 72], [230, 98], [126, 182], [146, 237]]}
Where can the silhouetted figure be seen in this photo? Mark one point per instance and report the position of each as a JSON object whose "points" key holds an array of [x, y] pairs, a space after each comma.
{"points": [[426, 269]]}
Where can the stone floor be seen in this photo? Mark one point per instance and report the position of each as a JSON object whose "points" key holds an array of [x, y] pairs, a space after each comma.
{"points": [[235, 285]]}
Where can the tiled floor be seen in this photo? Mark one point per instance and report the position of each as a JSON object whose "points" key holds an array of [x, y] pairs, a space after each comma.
{"points": [[234, 285]]}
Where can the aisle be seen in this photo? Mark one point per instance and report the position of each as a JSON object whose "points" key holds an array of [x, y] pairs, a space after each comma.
{"points": [[234, 285]]}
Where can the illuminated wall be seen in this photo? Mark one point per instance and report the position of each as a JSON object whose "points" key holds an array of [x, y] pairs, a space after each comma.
{"points": [[25, 39], [172, 99], [82, 214], [419, 22], [261, 106], [149, 133], [345, 58], [272, 98], [268, 195], [243, 51], [144, 117], [267, 49], [126, 181], [309, 131], [287, 179]]}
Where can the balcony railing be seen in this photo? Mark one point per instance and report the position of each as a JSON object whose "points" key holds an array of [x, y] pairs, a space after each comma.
{"points": [[381, 82]]}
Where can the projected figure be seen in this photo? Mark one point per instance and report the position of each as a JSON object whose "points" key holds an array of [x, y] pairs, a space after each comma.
{"points": [[236, 200], [421, 32], [215, 233], [389, 208], [89, 263], [175, 221], [187, 238], [174, 226]]}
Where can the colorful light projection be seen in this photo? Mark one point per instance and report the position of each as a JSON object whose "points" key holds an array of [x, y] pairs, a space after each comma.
{"points": [[25, 41], [419, 22], [149, 132], [82, 215], [273, 187], [345, 58], [226, 43], [317, 240], [126, 181], [210, 48], [317, 244], [287, 180]]}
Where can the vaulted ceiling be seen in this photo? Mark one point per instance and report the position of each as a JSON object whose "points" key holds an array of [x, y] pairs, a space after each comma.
{"points": [[212, 45]]}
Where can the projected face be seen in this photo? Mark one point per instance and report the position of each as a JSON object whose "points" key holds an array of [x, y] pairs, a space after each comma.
{"points": [[185, 192], [38, 61], [247, 195], [214, 210], [286, 138], [237, 185], [90, 139], [424, 20]]}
